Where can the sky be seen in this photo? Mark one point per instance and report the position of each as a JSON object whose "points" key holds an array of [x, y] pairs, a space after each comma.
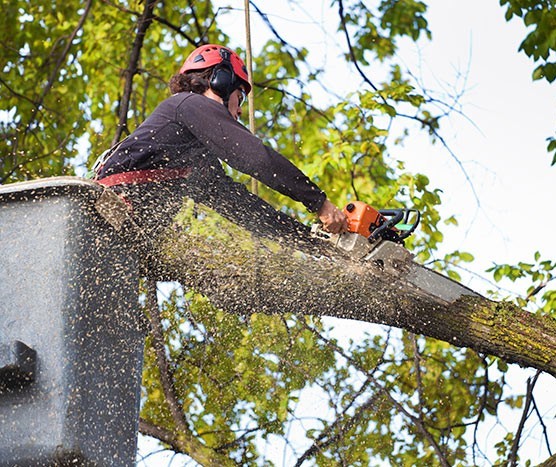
{"points": [[504, 201]]}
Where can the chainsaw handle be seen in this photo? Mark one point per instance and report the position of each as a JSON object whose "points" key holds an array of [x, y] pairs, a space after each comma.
{"points": [[395, 216], [408, 232]]}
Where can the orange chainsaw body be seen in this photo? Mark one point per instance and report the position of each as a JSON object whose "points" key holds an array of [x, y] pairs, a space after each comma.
{"points": [[362, 218]]}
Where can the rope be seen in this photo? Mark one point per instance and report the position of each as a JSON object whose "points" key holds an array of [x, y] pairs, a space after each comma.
{"points": [[250, 97]]}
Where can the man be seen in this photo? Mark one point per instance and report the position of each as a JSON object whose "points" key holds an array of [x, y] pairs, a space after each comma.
{"points": [[177, 151]]}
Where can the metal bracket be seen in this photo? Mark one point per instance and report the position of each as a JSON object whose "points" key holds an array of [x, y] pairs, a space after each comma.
{"points": [[18, 365], [354, 244], [112, 208]]}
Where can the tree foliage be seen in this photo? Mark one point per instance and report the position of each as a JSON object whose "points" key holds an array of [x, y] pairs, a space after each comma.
{"points": [[220, 388], [540, 43]]}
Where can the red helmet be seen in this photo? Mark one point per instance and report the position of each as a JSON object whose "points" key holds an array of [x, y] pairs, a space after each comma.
{"points": [[210, 55]]}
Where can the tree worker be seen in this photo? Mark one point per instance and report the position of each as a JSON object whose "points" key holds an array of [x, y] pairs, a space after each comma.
{"points": [[176, 153]]}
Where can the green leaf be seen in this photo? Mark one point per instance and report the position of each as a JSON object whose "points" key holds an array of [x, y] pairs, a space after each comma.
{"points": [[467, 257]]}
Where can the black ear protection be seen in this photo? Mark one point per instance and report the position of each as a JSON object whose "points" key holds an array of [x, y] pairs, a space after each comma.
{"points": [[223, 80]]}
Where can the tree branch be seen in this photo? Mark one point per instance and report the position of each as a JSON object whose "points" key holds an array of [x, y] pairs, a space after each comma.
{"points": [[163, 435], [142, 25], [550, 462], [512, 458], [481, 409], [62, 57], [340, 426], [166, 378], [38, 108], [544, 429], [183, 440], [426, 123], [303, 277], [422, 429], [185, 445], [350, 48], [158, 19], [418, 376], [265, 19]]}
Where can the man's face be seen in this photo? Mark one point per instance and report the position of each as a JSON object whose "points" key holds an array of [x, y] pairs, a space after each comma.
{"points": [[237, 98]]}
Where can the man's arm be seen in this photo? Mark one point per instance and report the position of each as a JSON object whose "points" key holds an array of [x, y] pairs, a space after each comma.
{"points": [[234, 144]]}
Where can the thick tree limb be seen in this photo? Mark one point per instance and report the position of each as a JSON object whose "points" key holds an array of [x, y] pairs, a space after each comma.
{"points": [[550, 462], [245, 274]]}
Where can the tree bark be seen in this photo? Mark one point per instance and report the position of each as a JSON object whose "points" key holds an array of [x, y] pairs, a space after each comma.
{"points": [[550, 462], [245, 273]]}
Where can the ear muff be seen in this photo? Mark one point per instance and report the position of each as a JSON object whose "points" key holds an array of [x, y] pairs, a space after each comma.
{"points": [[223, 80]]}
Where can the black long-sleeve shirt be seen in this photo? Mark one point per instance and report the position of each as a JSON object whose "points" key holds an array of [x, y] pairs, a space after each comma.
{"points": [[190, 130]]}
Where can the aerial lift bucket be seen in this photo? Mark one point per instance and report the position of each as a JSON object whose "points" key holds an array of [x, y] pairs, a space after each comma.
{"points": [[71, 340]]}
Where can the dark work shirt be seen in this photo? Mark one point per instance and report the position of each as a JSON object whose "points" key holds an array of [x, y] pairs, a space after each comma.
{"points": [[192, 131]]}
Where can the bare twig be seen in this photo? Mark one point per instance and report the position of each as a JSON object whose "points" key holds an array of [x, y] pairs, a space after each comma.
{"points": [[512, 458], [422, 429], [544, 429], [192, 7], [340, 426], [37, 112], [64, 54], [282, 41], [446, 146], [538, 288], [350, 48], [177, 29], [426, 123], [418, 375], [7, 173], [481, 409]]}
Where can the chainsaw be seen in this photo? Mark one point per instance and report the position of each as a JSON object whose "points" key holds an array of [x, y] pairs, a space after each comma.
{"points": [[369, 227], [377, 237]]}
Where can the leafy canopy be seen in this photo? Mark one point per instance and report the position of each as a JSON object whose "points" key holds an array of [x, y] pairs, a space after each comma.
{"points": [[540, 43], [243, 383]]}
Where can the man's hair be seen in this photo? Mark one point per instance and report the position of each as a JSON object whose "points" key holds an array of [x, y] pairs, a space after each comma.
{"points": [[192, 81]]}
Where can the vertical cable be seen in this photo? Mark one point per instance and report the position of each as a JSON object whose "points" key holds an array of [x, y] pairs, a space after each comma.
{"points": [[250, 97]]}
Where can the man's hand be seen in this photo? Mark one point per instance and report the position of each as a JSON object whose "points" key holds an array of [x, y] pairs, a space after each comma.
{"points": [[333, 220]]}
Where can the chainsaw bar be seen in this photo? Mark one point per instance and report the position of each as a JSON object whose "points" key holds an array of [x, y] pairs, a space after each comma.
{"points": [[395, 260]]}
